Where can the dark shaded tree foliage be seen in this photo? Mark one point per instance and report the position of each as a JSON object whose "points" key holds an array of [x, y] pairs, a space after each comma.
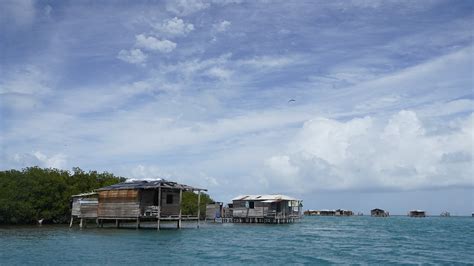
{"points": [[189, 204], [42, 193]]}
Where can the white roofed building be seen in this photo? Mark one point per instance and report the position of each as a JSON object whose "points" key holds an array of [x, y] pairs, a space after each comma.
{"points": [[272, 208]]}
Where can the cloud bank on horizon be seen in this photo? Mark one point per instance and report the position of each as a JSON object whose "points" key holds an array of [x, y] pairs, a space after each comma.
{"points": [[198, 91]]}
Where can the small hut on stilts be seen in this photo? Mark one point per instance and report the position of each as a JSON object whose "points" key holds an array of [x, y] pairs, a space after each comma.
{"points": [[137, 201]]}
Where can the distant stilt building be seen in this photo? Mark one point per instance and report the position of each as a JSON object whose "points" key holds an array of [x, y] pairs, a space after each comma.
{"points": [[379, 213], [266, 209], [214, 211], [417, 213], [338, 212], [341, 212], [445, 214], [312, 213], [327, 212]]}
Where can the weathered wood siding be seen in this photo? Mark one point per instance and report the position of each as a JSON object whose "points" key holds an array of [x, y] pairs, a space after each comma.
{"points": [[168, 209], [89, 210], [251, 213], [148, 198], [76, 207], [124, 203], [213, 211], [84, 208]]}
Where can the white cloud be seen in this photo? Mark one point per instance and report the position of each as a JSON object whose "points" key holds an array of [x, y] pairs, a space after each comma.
{"points": [[174, 27], [221, 26], [133, 56], [153, 44], [219, 73], [268, 61], [28, 79], [186, 7], [38, 158], [148, 172], [364, 153]]}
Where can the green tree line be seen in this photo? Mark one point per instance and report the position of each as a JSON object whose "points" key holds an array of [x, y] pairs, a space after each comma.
{"points": [[35, 193], [43, 193]]}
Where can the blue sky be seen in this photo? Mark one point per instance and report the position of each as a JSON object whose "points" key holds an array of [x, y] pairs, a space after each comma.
{"points": [[198, 92]]}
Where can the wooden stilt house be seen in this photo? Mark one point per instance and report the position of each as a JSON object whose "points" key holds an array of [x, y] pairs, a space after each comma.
{"points": [[379, 213], [266, 209], [417, 213], [158, 200]]}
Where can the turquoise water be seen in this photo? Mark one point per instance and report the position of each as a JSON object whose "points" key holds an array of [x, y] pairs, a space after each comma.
{"points": [[315, 240]]}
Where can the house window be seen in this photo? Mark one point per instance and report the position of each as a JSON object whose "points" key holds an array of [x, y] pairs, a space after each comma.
{"points": [[169, 199], [251, 204]]}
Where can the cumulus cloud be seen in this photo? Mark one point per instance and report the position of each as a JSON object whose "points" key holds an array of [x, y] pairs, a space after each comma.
{"points": [[133, 56], [153, 44], [174, 27], [221, 26], [38, 158], [365, 153]]}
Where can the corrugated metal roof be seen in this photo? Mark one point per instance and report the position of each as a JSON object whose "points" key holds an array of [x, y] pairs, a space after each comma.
{"points": [[144, 184], [264, 197]]}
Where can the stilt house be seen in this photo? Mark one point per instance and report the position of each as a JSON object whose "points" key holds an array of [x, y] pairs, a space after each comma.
{"points": [[266, 209], [341, 212], [417, 213], [158, 200], [379, 213]]}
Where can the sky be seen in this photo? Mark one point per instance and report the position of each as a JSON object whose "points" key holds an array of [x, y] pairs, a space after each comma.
{"points": [[344, 104]]}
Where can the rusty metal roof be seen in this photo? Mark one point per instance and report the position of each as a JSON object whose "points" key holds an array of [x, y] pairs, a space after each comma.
{"points": [[153, 184]]}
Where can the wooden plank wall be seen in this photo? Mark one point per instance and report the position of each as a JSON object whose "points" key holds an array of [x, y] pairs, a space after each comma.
{"points": [[173, 208], [89, 210], [244, 212], [122, 203], [76, 207]]}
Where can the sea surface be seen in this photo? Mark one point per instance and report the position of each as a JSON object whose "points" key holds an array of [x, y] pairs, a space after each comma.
{"points": [[314, 240]]}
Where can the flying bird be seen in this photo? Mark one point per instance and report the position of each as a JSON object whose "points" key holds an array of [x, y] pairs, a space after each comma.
{"points": [[291, 100]]}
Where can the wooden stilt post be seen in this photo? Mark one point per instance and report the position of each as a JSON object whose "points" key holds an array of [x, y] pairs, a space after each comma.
{"points": [[70, 224], [199, 207], [97, 222], [180, 207], [117, 223], [81, 224], [159, 209], [138, 223]]}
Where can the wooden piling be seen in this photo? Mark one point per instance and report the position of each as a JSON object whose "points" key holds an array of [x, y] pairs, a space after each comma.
{"points": [[159, 209], [199, 207], [180, 207]]}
